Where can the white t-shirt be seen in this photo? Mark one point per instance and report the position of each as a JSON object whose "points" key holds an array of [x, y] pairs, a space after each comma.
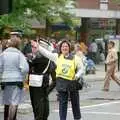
{"points": [[94, 47]]}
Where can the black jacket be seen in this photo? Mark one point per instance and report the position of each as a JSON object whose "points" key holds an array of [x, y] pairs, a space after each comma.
{"points": [[38, 64]]}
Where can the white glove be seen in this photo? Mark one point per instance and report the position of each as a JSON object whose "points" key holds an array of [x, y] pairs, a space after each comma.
{"points": [[76, 77]]}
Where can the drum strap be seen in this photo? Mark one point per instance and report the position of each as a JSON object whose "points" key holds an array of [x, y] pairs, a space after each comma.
{"points": [[45, 70]]}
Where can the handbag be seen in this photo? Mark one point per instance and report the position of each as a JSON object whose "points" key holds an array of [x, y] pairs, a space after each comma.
{"points": [[37, 80], [76, 85], [80, 84]]}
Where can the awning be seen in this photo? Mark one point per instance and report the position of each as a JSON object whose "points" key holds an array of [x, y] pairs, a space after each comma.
{"points": [[60, 26], [96, 13]]}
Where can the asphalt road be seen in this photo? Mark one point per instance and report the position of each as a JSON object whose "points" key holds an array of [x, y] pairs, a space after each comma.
{"points": [[107, 110], [102, 111]]}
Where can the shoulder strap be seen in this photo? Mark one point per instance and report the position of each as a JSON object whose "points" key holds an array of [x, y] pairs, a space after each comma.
{"points": [[45, 70]]}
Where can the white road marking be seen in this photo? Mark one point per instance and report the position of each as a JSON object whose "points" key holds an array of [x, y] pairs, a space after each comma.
{"points": [[102, 104], [92, 106], [102, 113]]}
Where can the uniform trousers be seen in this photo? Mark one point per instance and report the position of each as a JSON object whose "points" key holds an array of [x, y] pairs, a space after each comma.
{"points": [[40, 102], [63, 103]]}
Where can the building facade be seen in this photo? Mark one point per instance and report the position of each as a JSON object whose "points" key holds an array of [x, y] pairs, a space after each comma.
{"points": [[97, 4], [102, 14], [98, 8]]}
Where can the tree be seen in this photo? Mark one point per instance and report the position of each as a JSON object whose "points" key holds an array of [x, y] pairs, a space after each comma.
{"points": [[29, 9]]}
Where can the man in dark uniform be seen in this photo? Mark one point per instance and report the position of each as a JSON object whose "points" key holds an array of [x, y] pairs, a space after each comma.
{"points": [[39, 94]]}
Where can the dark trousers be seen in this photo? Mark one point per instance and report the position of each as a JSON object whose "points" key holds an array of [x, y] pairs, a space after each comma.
{"points": [[40, 103], [63, 102], [94, 57]]}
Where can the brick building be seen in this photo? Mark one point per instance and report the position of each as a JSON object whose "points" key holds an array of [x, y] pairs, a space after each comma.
{"points": [[95, 4], [99, 12]]}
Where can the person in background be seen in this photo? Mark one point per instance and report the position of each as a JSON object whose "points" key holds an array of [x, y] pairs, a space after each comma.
{"points": [[40, 65], [27, 50], [84, 48], [16, 34], [53, 41], [0, 46], [13, 70], [78, 50], [111, 62], [94, 50], [68, 69], [79, 53]]}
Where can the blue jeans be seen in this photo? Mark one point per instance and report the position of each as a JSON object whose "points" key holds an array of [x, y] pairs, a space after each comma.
{"points": [[63, 103]]}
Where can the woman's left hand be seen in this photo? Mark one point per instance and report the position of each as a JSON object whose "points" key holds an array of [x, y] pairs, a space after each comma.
{"points": [[76, 77]]}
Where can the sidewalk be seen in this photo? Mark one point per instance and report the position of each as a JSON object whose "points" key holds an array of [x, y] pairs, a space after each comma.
{"points": [[97, 81], [100, 74]]}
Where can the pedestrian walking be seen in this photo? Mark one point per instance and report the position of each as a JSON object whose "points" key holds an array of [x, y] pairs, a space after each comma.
{"points": [[68, 70], [39, 83], [111, 62], [13, 69]]}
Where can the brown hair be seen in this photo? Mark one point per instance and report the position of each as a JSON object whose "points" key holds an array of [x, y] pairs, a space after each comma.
{"points": [[4, 44], [111, 42], [14, 42], [62, 42]]}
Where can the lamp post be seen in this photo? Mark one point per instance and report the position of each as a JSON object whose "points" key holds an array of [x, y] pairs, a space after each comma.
{"points": [[106, 37]]}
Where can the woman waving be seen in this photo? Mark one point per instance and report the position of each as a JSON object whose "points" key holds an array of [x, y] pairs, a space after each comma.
{"points": [[68, 69]]}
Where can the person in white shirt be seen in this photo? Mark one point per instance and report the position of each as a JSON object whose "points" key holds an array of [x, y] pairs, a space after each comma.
{"points": [[94, 49]]}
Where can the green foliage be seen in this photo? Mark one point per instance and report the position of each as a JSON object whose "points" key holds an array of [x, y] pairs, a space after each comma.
{"points": [[118, 1], [29, 9]]}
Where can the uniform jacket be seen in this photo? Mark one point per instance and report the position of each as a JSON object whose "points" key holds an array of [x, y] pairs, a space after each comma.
{"points": [[13, 65], [38, 64]]}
